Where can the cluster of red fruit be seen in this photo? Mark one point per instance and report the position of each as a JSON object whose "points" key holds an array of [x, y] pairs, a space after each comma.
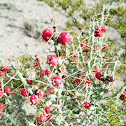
{"points": [[52, 60], [6, 90], [99, 32], [63, 38], [123, 95], [98, 75], [43, 118], [46, 72], [39, 93], [3, 71], [86, 48], [34, 99], [83, 80]]}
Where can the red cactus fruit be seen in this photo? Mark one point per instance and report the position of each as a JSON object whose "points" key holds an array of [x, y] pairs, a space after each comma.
{"points": [[95, 71], [56, 81], [52, 60], [51, 118], [42, 73], [98, 75], [63, 76], [1, 106], [47, 110], [34, 99], [51, 90], [42, 118], [75, 56], [87, 105], [105, 47], [82, 45], [47, 71], [7, 90], [39, 93], [2, 74], [30, 81], [98, 28], [5, 69], [104, 29], [1, 94], [37, 64], [64, 38], [86, 48], [88, 82], [24, 92], [98, 34], [47, 34], [77, 80], [44, 95], [123, 96], [0, 88]]}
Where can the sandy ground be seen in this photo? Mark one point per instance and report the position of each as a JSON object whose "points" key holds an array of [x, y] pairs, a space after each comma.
{"points": [[13, 33]]}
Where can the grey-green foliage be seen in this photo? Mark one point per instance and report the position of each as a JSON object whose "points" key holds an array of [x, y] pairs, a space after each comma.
{"points": [[14, 114]]}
